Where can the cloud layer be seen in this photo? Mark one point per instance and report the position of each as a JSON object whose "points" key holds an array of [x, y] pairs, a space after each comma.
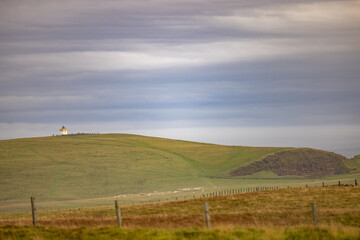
{"points": [[159, 64]]}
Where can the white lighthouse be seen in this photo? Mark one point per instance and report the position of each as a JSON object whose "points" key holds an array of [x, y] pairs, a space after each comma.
{"points": [[63, 131]]}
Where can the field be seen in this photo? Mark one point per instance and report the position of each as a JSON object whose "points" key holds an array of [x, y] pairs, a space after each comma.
{"points": [[274, 214], [161, 185], [90, 170]]}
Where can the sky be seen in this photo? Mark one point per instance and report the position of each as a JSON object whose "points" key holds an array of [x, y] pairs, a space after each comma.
{"points": [[234, 72]]}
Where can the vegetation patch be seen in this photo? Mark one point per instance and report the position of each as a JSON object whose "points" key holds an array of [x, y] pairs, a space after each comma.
{"points": [[300, 162]]}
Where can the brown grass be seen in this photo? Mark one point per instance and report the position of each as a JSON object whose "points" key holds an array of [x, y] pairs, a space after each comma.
{"points": [[337, 206]]}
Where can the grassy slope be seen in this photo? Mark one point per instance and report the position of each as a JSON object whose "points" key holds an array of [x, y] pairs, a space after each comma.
{"points": [[96, 165], [276, 214], [93, 166]]}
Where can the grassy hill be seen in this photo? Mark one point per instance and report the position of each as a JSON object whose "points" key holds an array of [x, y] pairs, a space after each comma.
{"points": [[77, 167]]}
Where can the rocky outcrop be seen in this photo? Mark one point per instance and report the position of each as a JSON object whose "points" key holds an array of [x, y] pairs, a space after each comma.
{"points": [[299, 162]]}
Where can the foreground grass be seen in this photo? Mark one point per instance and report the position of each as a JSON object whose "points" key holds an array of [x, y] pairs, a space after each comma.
{"points": [[337, 206], [276, 214], [11, 232]]}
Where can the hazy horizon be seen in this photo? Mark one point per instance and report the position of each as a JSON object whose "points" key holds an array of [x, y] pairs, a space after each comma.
{"points": [[230, 136]]}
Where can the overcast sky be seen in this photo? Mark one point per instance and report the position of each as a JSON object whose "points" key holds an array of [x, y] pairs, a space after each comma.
{"points": [[255, 73]]}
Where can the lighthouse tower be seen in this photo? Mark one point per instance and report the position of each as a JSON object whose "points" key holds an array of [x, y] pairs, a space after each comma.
{"points": [[63, 131]]}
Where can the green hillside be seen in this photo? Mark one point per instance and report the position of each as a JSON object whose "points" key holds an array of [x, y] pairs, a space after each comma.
{"points": [[93, 166]]}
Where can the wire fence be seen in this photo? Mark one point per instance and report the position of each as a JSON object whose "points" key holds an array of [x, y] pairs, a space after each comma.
{"points": [[224, 192]]}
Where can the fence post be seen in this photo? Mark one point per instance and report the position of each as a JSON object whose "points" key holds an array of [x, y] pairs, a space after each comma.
{"points": [[207, 215], [314, 213], [339, 184], [118, 213], [356, 182], [33, 211]]}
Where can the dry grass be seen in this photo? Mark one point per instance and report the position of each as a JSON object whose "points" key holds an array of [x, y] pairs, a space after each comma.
{"points": [[244, 233], [337, 206], [279, 214]]}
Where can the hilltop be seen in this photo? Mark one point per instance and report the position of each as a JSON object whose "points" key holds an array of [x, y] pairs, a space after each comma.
{"points": [[104, 165]]}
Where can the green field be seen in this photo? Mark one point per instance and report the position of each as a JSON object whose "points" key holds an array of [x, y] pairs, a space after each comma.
{"points": [[276, 214], [89, 170]]}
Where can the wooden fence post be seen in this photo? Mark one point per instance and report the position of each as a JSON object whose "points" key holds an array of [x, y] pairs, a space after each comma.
{"points": [[314, 213], [33, 211], [356, 182], [339, 184], [207, 215], [118, 214]]}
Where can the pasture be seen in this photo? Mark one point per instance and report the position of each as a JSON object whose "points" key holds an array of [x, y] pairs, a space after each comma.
{"points": [[274, 214], [90, 170]]}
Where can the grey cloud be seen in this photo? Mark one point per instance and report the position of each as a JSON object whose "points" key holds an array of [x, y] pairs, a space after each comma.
{"points": [[205, 63], [148, 20]]}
